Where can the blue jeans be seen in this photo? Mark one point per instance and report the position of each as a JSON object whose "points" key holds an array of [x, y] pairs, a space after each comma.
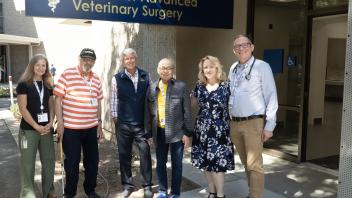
{"points": [[72, 142], [176, 150]]}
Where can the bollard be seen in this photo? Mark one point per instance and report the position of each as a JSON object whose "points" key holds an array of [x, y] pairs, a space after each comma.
{"points": [[11, 90]]}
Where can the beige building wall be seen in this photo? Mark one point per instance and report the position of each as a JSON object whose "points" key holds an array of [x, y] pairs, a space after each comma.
{"points": [[194, 43]]}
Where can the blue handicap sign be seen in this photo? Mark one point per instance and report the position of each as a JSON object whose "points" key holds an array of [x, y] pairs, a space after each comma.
{"points": [[291, 61]]}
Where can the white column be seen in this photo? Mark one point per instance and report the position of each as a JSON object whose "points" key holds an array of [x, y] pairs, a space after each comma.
{"points": [[345, 165]]}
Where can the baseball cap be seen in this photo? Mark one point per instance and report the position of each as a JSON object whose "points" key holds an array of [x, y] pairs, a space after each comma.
{"points": [[88, 53]]}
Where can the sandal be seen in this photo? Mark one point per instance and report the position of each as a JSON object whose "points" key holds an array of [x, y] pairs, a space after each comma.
{"points": [[212, 195], [221, 197]]}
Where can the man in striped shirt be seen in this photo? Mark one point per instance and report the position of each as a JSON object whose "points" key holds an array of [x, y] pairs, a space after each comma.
{"points": [[78, 112]]}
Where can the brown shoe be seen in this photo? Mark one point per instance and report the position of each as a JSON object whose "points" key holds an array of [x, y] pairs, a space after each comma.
{"points": [[52, 195]]}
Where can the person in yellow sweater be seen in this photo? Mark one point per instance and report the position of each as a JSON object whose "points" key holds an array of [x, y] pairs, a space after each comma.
{"points": [[171, 125]]}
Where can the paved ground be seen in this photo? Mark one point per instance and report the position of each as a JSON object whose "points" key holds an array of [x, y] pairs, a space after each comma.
{"points": [[6, 102], [9, 162], [283, 178]]}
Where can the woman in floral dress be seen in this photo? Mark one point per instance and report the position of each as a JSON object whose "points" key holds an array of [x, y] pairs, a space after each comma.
{"points": [[212, 148]]}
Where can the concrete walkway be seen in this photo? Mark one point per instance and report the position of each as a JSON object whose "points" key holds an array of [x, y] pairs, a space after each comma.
{"points": [[9, 162], [283, 178]]}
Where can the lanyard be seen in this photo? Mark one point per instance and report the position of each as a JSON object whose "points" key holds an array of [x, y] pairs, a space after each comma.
{"points": [[86, 82], [89, 83], [161, 87], [41, 94]]}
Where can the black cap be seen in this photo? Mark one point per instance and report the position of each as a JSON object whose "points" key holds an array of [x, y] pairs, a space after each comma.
{"points": [[88, 53]]}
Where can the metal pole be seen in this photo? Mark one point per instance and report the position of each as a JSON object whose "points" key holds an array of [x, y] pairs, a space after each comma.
{"points": [[9, 72], [11, 90]]}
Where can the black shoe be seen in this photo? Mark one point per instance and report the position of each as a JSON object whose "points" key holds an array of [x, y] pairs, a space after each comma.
{"points": [[126, 193], [212, 195], [93, 195], [148, 192]]}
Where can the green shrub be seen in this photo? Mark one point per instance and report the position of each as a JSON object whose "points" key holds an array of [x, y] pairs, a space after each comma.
{"points": [[15, 111], [5, 92]]}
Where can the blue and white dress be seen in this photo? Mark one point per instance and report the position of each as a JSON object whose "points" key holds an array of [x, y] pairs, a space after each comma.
{"points": [[212, 148]]}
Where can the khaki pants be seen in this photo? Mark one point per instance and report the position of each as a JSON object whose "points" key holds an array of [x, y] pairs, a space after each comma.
{"points": [[247, 137], [29, 142]]}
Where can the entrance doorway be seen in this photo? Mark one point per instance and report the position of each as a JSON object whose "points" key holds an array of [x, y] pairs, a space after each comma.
{"points": [[327, 66], [279, 31]]}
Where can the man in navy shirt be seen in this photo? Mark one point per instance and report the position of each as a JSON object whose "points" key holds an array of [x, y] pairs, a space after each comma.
{"points": [[129, 89]]}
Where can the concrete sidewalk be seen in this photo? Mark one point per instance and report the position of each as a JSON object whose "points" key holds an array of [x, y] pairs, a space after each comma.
{"points": [[10, 163], [283, 178]]}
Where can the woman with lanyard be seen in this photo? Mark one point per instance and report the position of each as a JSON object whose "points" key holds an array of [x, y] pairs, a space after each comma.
{"points": [[36, 104]]}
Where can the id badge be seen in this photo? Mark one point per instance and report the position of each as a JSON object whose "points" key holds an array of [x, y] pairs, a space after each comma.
{"points": [[24, 142], [162, 122], [43, 117], [94, 102]]}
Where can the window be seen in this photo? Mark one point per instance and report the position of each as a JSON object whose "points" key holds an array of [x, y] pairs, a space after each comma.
{"points": [[329, 3]]}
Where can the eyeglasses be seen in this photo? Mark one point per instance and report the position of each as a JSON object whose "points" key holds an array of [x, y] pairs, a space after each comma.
{"points": [[88, 60], [166, 68], [243, 46]]}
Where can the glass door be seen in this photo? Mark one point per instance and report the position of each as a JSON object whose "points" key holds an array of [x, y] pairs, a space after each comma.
{"points": [[327, 66], [279, 37]]}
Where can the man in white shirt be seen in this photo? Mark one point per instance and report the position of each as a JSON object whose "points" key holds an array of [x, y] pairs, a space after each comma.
{"points": [[253, 106]]}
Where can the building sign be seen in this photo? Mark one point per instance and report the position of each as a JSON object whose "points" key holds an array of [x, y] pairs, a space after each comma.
{"points": [[203, 13], [275, 58]]}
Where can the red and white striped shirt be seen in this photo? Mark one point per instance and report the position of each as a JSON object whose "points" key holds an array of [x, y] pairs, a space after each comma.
{"points": [[80, 98]]}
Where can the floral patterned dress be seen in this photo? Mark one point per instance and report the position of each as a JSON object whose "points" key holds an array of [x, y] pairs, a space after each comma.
{"points": [[212, 149]]}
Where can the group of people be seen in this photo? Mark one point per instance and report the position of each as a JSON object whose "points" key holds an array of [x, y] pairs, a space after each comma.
{"points": [[239, 109]]}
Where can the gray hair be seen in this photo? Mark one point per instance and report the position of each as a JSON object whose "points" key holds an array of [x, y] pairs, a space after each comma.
{"points": [[173, 64], [128, 51], [248, 37]]}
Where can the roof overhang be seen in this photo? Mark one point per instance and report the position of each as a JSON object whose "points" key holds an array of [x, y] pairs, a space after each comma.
{"points": [[19, 40]]}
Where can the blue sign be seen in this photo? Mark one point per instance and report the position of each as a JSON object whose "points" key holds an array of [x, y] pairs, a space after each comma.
{"points": [[203, 13], [275, 58], [291, 61]]}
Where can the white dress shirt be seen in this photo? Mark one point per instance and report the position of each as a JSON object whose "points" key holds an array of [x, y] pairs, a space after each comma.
{"points": [[255, 95]]}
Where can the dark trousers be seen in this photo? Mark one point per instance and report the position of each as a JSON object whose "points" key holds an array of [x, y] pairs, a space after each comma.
{"points": [[72, 142], [126, 134], [176, 150]]}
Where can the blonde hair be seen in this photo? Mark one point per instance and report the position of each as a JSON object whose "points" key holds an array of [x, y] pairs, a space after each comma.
{"points": [[28, 74], [221, 76]]}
